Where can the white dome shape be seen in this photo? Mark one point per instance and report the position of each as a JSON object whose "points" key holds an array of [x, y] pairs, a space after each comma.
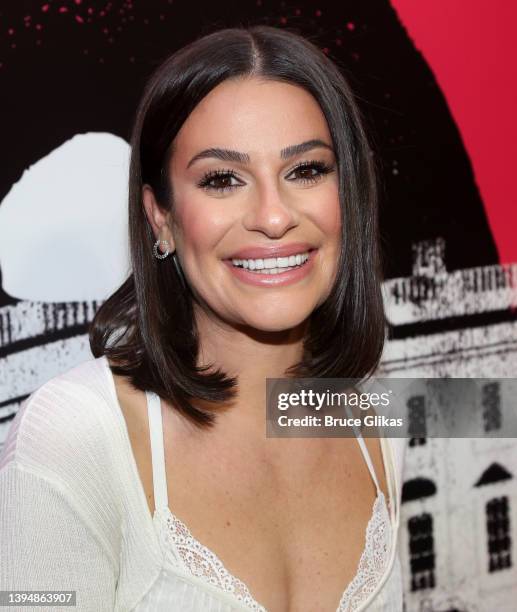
{"points": [[63, 225]]}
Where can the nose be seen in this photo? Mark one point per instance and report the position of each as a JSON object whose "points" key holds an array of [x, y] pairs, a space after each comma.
{"points": [[270, 212]]}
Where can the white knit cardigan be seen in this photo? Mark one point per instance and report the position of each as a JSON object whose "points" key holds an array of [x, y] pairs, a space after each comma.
{"points": [[73, 512]]}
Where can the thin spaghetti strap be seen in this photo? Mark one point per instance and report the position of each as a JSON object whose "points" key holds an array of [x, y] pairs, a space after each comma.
{"points": [[154, 413], [368, 460], [364, 450]]}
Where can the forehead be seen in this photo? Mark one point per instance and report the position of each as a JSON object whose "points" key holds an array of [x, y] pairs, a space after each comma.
{"points": [[249, 115]]}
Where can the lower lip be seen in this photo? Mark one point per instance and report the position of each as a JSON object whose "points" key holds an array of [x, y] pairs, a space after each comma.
{"points": [[274, 280]]}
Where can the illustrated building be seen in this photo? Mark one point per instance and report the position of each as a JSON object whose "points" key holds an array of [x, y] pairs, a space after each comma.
{"points": [[459, 512]]}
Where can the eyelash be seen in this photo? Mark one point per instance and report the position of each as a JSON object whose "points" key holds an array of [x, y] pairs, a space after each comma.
{"points": [[320, 166]]}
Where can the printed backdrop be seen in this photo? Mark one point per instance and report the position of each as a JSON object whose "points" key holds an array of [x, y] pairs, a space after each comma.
{"points": [[432, 82]]}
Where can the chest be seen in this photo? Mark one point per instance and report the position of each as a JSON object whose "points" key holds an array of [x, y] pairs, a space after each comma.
{"points": [[288, 518], [292, 528]]}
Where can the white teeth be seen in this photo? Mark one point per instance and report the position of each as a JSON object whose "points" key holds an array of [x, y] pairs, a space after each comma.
{"points": [[275, 270], [272, 264]]}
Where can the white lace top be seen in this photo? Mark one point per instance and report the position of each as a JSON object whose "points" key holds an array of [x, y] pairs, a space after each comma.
{"points": [[194, 578], [74, 514]]}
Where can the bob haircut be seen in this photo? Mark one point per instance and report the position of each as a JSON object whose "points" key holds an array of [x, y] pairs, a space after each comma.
{"points": [[147, 328]]}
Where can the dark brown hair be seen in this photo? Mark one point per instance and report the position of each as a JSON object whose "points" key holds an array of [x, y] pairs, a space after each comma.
{"points": [[147, 326]]}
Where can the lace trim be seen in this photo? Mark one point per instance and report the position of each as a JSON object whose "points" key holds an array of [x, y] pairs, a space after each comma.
{"points": [[183, 549], [373, 560], [202, 562]]}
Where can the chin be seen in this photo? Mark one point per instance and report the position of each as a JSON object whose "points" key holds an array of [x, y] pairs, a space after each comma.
{"points": [[276, 323]]}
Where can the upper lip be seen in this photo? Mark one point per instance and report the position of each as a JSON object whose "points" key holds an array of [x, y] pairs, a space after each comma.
{"points": [[261, 252]]}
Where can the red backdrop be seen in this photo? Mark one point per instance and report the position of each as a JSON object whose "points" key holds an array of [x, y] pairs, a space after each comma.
{"points": [[470, 46]]}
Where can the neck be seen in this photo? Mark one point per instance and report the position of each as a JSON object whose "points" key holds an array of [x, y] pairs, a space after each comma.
{"points": [[251, 355]]}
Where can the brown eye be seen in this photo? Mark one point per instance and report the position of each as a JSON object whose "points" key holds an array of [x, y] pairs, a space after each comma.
{"points": [[311, 172], [306, 172], [220, 180]]}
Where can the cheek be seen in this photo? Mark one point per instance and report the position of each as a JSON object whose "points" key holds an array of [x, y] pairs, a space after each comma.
{"points": [[192, 231], [328, 216], [201, 227], [329, 222]]}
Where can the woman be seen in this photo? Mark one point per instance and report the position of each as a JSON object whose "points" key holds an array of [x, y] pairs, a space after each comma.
{"points": [[143, 479]]}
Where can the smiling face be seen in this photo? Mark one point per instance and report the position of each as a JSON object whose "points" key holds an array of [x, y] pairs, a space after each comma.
{"points": [[234, 208]]}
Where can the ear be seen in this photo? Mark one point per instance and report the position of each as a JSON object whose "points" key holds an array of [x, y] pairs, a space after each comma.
{"points": [[158, 218]]}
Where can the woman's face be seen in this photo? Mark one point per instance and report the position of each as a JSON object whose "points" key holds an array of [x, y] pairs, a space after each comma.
{"points": [[232, 210]]}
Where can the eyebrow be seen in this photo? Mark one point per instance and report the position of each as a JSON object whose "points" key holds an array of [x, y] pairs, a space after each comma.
{"points": [[244, 158]]}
